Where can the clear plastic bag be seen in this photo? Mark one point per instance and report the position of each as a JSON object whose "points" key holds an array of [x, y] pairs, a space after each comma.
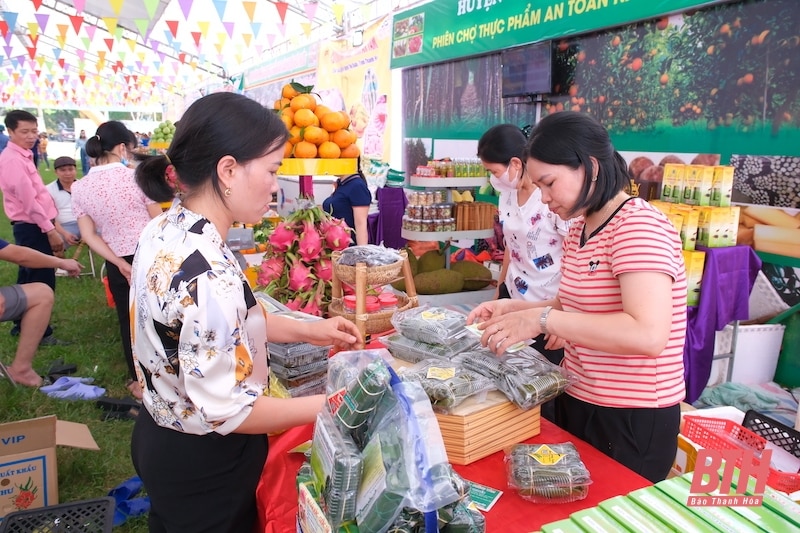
{"points": [[547, 473], [370, 254], [525, 377], [433, 325], [336, 466], [447, 382]]}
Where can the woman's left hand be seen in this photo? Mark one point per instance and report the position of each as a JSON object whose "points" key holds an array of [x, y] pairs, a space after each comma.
{"points": [[337, 331]]}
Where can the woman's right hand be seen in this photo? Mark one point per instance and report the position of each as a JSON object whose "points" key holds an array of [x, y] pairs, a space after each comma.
{"points": [[487, 310]]}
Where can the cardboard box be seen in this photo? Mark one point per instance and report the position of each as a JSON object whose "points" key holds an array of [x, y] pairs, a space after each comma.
{"points": [[670, 512], [633, 517], [694, 260], [562, 526], [697, 184], [672, 188], [595, 520], [722, 186], [28, 472], [691, 219]]}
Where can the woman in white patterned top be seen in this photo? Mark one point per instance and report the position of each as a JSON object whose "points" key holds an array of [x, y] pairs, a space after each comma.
{"points": [[199, 335]]}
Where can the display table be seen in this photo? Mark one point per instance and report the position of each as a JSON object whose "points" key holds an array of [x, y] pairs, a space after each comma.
{"points": [[277, 495]]}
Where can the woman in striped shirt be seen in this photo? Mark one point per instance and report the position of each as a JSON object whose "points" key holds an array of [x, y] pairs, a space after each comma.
{"points": [[621, 305]]}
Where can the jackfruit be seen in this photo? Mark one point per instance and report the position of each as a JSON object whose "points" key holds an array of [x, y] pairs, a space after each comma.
{"points": [[430, 261], [442, 281], [412, 261], [476, 276]]}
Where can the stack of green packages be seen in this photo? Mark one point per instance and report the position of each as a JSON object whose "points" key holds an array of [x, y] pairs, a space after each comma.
{"points": [[447, 383], [525, 377], [432, 325], [547, 473], [336, 467], [415, 351]]}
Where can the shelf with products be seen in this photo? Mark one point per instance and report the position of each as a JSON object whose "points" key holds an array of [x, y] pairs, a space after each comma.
{"points": [[444, 236], [442, 182]]}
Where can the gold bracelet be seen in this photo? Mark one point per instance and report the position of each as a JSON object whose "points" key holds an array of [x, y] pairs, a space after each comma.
{"points": [[543, 319]]}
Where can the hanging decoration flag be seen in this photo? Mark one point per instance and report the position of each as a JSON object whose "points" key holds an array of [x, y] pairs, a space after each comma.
{"points": [[116, 6], [229, 28], [76, 20], [37, 4], [90, 30], [3, 27], [338, 12], [282, 7], [282, 29], [203, 25], [220, 7], [196, 35], [142, 25], [11, 19], [151, 6], [311, 10], [41, 20], [111, 24], [173, 27], [250, 9], [271, 39], [306, 28], [109, 44], [186, 6], [62, 30], [247, 37]]}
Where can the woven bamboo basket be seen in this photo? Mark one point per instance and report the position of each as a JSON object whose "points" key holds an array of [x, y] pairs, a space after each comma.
{"points": [[375, 322], [376, 275]]}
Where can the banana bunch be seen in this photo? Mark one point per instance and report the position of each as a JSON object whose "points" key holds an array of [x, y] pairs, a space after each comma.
{"points": [[465, 196]]}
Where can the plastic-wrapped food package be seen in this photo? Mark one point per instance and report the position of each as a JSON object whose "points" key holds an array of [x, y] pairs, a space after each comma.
{"points": [[465, 520], [547, 473], [447, 383], [336, 469], [434, 325], [370, 254], [414, 351], [525, 377]]}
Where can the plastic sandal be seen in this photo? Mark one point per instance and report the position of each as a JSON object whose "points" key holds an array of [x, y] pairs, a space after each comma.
{"points": [[130, 414], [4, 373], [131, 508], [63, 383], [127, 489], [118, 404], [78, 391], [58, 368]]}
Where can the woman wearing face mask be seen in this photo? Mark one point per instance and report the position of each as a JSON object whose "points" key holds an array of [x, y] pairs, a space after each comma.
{"points": [[112, 211], [533, 234]]}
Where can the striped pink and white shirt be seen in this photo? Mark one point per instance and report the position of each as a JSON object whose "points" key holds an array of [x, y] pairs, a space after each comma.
{"points": [[637, 239]]}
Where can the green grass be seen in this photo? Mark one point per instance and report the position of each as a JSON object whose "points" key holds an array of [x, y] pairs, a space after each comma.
{"points": [[82, 317]]}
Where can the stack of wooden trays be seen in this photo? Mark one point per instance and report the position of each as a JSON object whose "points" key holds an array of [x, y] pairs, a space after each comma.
{"points": [[474, 430]]}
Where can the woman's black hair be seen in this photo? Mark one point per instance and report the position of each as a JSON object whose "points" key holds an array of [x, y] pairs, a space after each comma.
{"points": [[214, 126], [570, 139], [109, 134], [500, 143]]}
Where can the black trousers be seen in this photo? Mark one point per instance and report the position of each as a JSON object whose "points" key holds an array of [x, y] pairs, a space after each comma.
{"points": [[120, 290], [554, 356], [198, 483], [644, 440], [30, 235]]}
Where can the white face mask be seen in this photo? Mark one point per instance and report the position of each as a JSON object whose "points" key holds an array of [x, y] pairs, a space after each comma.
{"points": [[504, 183]]}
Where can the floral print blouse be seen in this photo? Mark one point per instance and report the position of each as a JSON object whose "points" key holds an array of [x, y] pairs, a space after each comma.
{"points": [[199, 335]]}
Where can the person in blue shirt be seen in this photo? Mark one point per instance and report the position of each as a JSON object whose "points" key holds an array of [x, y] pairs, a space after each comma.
{"points": [[350, 202], [3, 138]]}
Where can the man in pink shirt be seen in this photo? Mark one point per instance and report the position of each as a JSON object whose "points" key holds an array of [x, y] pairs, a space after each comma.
{"points": [[27, 204]]}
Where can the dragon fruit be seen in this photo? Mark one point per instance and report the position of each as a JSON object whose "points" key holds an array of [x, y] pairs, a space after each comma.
{"points": [[271, 270], [283, 237], [337, 234], [310, 244], [297, 269], [300, 277]]}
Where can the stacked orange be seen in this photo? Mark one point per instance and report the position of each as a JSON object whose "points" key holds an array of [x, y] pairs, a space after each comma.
{"points": [[315, 130]]}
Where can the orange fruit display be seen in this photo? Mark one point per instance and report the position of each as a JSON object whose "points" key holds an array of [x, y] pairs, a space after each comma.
{"points": [[334, 121], [329, 150], [295, 135], [322, 109], [288, 91], [287, 149], [305, 150]]}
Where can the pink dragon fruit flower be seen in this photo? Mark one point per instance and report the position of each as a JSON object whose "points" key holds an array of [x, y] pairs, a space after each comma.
{"points": [[282, 237], [337, 234], [310, 243], [295, 303], [312, 307], [300, 277], [270, 270]]}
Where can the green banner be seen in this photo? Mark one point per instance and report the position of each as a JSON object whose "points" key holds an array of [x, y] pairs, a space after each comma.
{"points": [[446, 29]]}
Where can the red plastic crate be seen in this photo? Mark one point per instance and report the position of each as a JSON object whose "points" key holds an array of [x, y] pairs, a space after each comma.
{"points": [[722, 434]]}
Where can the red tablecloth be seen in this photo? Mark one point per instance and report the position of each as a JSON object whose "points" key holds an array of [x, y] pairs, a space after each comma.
{"points": [[277, 496]]}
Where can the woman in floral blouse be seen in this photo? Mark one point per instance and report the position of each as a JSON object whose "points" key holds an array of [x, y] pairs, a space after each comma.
{"points": [[199, 335]]}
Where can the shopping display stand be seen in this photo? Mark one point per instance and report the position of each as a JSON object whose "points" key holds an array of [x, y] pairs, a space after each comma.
{"points": [[362, 277], [305, 169]]}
